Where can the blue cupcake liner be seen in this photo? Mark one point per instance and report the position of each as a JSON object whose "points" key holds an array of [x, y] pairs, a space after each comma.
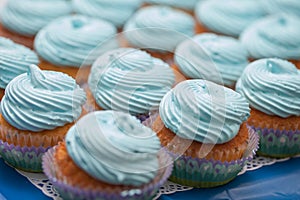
{"points": [[72, 192]]}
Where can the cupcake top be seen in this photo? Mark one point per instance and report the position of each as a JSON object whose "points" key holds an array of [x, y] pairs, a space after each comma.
{"points": [[27, 17], [204, 111], [130, 80], [159, 28], [188, 5], [229, 17], [114, 147], [74, 40], [41, 100], [272, 86], [14, 60], [273, 36], [206, 55], [285, 6], [114, 11]]}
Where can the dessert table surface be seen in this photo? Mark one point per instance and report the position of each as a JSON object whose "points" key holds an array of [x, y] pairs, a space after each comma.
{"points": [[277, 181]]}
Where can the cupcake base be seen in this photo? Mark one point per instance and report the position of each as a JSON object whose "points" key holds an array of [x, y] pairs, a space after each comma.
{"points": [[1, 93], [296, 63], [200, 28]]}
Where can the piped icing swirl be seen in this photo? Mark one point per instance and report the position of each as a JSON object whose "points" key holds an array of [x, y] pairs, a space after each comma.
{"points": [[282, 6], [163, 31], [272, 86], [42, 100], [229, 17], [188, 5], [204, 111], [130, 80], [14, 60], [273, 36], [114, 11], [207, 54], [114, 147], [27, 17], [81, 42]]}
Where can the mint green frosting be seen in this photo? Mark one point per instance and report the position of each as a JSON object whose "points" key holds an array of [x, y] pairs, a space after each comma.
{"points": [[229, 17], [130, 80], [272, 86], [41, 100], [273, 36], [159, 28], [284, 6], [114, 147], [14, 60], [27, 17], [207, 54], [82, 40], [204, 111], [114, 11], [189, 4]]}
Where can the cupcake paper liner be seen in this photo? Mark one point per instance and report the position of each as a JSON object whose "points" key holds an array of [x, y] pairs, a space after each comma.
{"points": [[72, 192], [23, 158], [278, 143]]}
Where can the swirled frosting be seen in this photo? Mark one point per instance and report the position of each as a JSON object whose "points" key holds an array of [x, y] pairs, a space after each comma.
{"points": [[130, 80], [272, 86], [229, 17], [14, 60], [160, 28], [207, 54], [204, 111], [189, 5], [114, 11], [114, 147], [41, 100], [82, 40], [273, 36], [27, 17], [284, 6]]}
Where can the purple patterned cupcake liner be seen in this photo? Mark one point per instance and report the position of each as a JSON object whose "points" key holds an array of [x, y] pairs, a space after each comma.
{"points": [[72, 192], [23, 158], [278, 143]]}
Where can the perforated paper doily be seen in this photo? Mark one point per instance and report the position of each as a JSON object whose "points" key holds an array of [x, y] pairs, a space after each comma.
{"points": [[42, 183]]}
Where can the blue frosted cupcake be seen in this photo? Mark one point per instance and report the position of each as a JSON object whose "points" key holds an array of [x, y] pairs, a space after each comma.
{"points": [[272, 88], [36, 111], [208, 56], [227, 17], [14, 60], [27, 17], [158, 29], [117, 11], [274, 36], [108, 155]]}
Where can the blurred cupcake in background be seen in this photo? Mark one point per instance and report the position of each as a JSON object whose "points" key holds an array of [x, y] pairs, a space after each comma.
{"points": [[220, 59], [282, 6], [108, 155], [71, 42], [272, 88], [187, 6], [115, 11], [130, 80], [274, 36], [14, 60], [227, 17], [22, 19], [158, 30], [36, 111]]}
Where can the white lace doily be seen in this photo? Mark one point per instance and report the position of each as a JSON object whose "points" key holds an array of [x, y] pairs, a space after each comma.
{"points": [[42, 183]]}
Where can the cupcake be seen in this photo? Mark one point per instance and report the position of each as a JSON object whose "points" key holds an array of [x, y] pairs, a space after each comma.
{"points": [[108, 155], [220, 59], [21, 20], [272, 88], [70, 42], [274, 36], [202, 125], [117, 11], [14, 60], [130, 80], [282, 6], [159, 29], [36, 111], [227, 17], [187, 6]]}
